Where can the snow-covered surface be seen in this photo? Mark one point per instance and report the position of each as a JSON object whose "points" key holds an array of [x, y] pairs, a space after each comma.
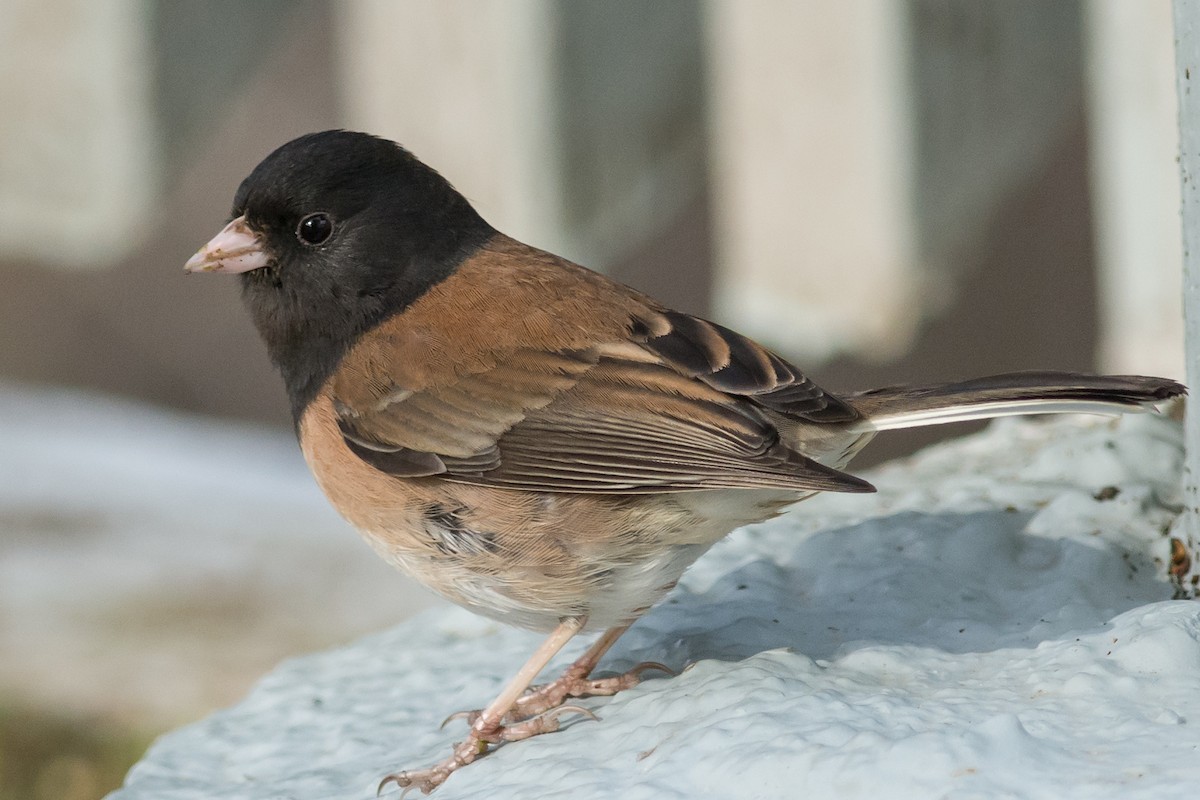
{"points": [[994, 623], [153, 564]]}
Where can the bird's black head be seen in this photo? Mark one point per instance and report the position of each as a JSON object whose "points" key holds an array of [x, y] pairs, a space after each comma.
{"points": [[333, 233]]}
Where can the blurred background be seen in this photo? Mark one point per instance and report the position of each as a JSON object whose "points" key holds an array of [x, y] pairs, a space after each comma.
{"points": [[885, 191]]}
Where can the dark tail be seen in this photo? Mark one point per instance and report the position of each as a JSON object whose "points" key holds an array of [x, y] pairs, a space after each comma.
{"points": [[1011, 394]]}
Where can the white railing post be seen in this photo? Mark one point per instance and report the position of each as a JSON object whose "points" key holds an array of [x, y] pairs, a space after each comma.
{"points": [[1187, 69]]}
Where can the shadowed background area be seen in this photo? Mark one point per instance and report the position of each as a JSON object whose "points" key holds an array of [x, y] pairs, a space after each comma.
{"points": [[884, 192]]}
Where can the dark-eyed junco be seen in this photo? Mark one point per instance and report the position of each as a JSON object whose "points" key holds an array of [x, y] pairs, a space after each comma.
{"points": [[528, 438]]}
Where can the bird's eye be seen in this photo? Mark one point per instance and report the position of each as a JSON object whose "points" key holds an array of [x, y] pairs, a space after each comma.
{"points": [[314, 229]]}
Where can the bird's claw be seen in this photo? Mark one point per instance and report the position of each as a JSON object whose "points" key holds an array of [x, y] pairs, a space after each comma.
{"points": [[469, 716], [545, 722], [554, 694], [476, 744], [540, 699]]}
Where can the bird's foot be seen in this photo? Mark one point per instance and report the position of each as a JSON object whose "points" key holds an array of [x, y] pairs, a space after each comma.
{"points": [[541, 699], [477, 744], [426, 780], [573, 683]]}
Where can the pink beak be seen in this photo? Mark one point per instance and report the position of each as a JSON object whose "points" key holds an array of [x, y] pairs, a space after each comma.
{"points": [[235, 249]]}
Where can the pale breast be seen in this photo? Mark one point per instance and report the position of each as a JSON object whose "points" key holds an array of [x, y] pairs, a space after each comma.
{"points": [[525, 558]]}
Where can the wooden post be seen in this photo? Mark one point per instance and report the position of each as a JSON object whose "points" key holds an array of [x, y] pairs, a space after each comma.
{"points": [[1187, 76]]}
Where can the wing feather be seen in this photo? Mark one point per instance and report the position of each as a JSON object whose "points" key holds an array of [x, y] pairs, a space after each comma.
{"points": [[603, 425], [566, 381]]}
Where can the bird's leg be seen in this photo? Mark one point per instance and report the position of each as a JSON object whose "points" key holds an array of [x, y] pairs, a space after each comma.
{"points": [[487, 727], [573, 683]]}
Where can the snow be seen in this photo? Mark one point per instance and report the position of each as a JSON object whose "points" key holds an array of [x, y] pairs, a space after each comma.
{"points": [[153, 564], [996, 622]]}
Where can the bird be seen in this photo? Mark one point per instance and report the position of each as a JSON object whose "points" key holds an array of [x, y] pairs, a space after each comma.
{"points": [[530, 439]]}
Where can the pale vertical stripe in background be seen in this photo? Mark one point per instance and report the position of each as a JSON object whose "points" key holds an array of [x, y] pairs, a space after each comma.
{"points": [[810, 157], [573, 127], [78, 165], [467, 87], [1135, 179]]}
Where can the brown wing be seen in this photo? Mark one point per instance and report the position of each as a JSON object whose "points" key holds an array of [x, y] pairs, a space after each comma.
{"points": [[729, 362], [621, 397]]}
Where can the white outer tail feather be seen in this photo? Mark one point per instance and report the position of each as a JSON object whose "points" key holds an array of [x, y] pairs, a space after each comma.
{"points": [[999, 408]]}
